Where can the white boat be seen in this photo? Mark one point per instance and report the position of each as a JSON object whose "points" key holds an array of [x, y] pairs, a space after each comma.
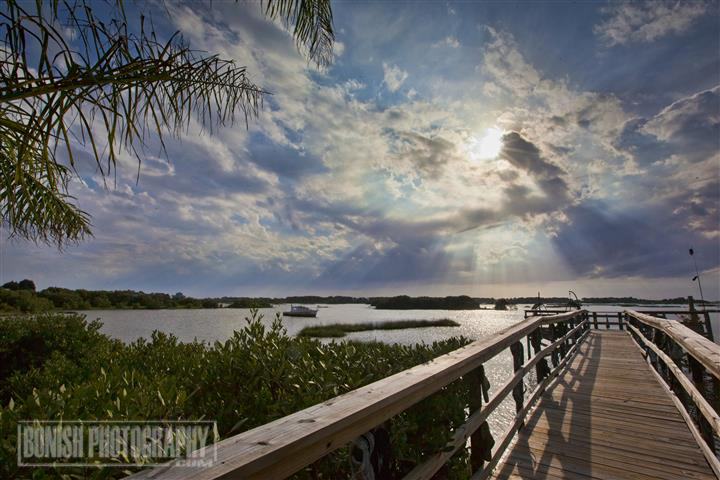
{"points": [[300, 311]]}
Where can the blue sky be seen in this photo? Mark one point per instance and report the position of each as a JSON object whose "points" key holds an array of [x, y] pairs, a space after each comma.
{"points": [[491, 148]]}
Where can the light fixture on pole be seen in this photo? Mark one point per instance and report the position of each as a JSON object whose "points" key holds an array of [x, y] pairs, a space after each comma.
{"points": [[697, 277]]}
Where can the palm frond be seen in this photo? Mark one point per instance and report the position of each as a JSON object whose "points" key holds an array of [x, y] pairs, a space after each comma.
{"points": [[32, 202], [312, 25]]}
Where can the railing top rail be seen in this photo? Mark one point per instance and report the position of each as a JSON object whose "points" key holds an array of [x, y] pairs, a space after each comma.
{"points": [[648, 312], [282, 447], [702, 349]]}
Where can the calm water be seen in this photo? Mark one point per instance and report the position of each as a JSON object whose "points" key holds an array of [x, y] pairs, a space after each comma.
{"points": [[218, 324]]}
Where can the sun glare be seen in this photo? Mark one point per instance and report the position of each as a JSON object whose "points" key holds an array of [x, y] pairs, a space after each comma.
{"points": [[488, 145]]}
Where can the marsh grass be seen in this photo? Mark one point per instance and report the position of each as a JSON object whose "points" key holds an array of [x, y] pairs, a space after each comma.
{"points": [[337, 330]]}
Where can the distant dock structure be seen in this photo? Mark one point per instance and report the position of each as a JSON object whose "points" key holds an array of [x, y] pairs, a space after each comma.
{"points": [[622, 395]]}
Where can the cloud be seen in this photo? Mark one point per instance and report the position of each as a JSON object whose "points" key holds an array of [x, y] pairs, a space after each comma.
{"points": [[393, 76], [526, 156], [692, 122], [598, 241], [337, 184], [448, 41], [644, 22], [428, 155], [687, 130]]}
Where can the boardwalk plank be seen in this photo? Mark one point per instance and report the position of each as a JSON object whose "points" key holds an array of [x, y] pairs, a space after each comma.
{"points": [[606, 418]]}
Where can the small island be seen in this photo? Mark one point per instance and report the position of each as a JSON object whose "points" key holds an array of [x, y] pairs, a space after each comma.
{"points": [[341, 329], [250, 303], [501, 304]]}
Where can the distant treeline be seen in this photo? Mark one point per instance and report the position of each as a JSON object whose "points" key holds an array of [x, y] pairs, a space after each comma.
{"points": [[404, 302], [305, 299], [311, 299], [22, 297], [641, 301]]}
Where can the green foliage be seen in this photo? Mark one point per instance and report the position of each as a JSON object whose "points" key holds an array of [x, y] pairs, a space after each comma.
{"points": [[340, 329], [258, 375], [315, 300], [501, 304], [23, 301], [21, 285], [28, 341], [250, 303], [18, 297]]}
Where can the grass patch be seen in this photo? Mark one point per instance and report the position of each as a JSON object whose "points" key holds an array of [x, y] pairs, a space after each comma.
{"points": [[337, 330]]}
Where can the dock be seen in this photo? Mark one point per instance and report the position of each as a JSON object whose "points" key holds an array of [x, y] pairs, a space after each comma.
{"points": [[606, 417], [630, 396]]}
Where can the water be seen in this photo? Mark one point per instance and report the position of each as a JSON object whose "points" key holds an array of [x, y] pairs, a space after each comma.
{"points": [[210, 325], [218, 324]]}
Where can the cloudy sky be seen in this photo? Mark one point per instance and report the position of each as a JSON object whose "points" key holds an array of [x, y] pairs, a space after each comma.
{"points": [[477, 148]]}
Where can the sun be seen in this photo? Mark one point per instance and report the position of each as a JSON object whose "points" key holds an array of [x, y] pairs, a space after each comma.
{"points": [[488, 145]]}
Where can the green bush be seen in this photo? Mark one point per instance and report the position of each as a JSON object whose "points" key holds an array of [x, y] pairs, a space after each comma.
{"points": [[258, 375], [30, 341]]}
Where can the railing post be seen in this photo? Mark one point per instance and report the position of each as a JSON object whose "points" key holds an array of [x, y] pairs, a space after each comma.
{"points": [[607, 321], [697, 372], [519, 391], [668, 346], [595, 325], [555, 355], [620, 321], [586, 316], [481, 441], [708, 327], [542, 369]]}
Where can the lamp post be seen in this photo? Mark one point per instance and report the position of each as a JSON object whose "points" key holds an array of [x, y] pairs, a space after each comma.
{"points": [[697, 277]]}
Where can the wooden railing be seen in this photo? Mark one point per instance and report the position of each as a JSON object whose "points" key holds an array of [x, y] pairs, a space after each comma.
{"points": [[672, 348], [615, 320], [283, 447]]}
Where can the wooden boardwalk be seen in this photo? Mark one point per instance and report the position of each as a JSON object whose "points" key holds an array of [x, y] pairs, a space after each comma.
{"points": [[599, 411], [606, 417]]}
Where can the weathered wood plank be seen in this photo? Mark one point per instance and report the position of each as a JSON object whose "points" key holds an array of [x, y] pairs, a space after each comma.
{"points": [[520, 416], [427, 469], [704, 351], [598, 420], [702, 404]]}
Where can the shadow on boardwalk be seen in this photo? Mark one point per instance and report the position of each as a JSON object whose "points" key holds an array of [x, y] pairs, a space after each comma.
{"points": [[554, 425], [607, 418]]}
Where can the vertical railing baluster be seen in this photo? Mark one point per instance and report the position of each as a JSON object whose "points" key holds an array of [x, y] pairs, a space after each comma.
{"points": [[708, 327], [481, 441], [519, 391], [555, 355], [542, 369], [697, 371]]}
